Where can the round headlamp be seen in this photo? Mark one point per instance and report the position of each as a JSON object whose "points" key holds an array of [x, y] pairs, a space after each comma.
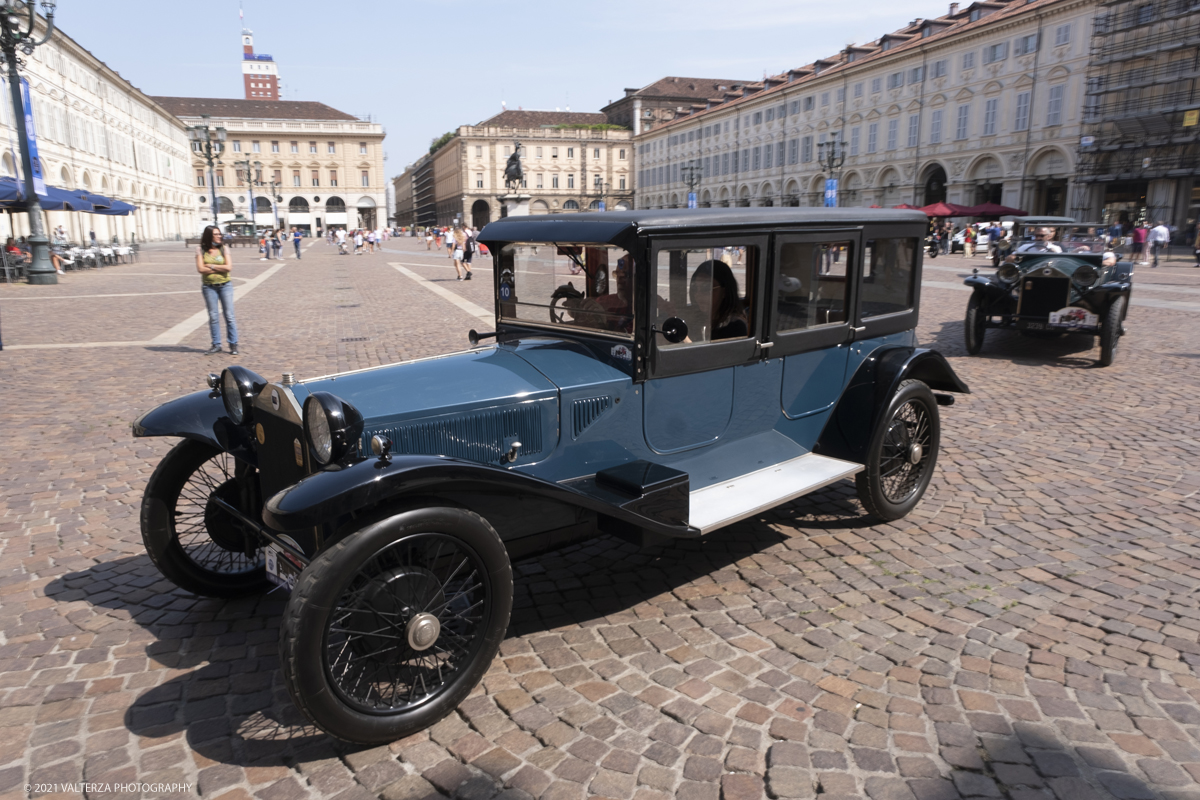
{"points": [[239, 387], [1008, 273], [1085, 276], [331, 425]]}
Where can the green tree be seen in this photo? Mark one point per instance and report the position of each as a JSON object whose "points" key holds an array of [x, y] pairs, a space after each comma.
{"points": [[441, 141]]}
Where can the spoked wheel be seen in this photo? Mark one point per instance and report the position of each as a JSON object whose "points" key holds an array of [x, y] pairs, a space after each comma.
{"points": [[902, 454], [1111, 331], [192, 540], [974, 325], [390, 629]]}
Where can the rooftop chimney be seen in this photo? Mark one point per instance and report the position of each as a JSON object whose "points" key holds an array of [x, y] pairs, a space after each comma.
{"points": [[953, 9]]}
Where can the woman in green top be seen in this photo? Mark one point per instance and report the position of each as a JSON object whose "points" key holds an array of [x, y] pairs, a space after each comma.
{"points": [[213, 263]]}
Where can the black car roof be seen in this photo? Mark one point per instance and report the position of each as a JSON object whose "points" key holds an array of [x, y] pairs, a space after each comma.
{"points": [[605, 226]]}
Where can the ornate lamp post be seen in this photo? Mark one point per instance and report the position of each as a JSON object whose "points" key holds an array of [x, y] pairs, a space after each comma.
{"points": [[17, 18], [832, 155], [209, 143], [691, 173], [252, 172]]}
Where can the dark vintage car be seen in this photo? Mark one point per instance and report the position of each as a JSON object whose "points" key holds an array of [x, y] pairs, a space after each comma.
{"points": [[654, 374], [1060, 278]]}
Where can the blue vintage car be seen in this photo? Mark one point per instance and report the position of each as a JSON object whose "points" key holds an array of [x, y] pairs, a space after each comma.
{"points": [[1059, 278], [653, 374]]}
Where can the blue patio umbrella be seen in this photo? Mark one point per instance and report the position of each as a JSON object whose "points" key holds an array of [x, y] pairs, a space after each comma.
{"points": [[119, 208]]}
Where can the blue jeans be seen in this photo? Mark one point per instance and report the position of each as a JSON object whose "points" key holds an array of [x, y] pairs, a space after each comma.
{"points": [[223, 294], [297, 243]]}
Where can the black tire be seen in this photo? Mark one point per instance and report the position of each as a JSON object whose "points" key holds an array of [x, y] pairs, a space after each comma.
{"points": [[973, 325], [892, 484], [362, 685], [195, 544], [1110, 332]]}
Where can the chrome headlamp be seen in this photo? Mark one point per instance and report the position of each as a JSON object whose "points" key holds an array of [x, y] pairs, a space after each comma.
{"points": [[239, 387], [1085, 276], [1008, 274], [331, 425]]}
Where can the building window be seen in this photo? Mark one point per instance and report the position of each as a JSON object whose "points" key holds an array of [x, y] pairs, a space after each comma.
{"points": [[1062, 35], [975, 15], [621, 183], [200, 180], [333, 177], [256, 147], [858, 89], [939, 69], [553, 181], [331, 147], [1025, 45], [824, 99], [960, 127], [757, 158], [873, 137], [596, 153], [537, 153], [554, 152], [237, 145], [876, 85], [968, 60], [220, 177], [892, 130], [855, 138], [840, 95], [916, 75], [935, 127], [540, 179], [758, 118], [362, 148], [989, 116], [725, 162], [274, 147], [295, 177], [478, 180], [1021, 123], [597, 183], [808, 104], [316, 178], [995, 52], [479, 151], [621, 154], [571, 181], [793, 151], [295, 147], [366, 177], [914, 125], [312, 147], [1054, 109], [806, 149], [277, 176], [1145, 14], [895, 80]]}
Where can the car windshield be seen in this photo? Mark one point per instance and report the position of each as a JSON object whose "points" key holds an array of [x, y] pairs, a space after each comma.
{"points": [[1081, 239], [573, 285]]}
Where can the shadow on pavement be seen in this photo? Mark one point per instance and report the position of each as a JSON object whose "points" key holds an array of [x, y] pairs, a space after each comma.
{"points": [[1072, 351]]}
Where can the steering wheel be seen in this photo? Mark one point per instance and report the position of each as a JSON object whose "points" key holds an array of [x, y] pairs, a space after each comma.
{"points": [[562, 294]]}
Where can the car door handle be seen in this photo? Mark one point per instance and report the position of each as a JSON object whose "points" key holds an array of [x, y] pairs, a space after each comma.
{"points": [[859, 330], [765, 345]]}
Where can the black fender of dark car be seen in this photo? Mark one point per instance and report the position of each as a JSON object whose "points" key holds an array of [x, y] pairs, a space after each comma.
{"points": [[200, 416], [334, 495], [869, 391]]}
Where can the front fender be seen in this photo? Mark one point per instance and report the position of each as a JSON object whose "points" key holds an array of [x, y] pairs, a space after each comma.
{"points": [[992, 294], [332, 494], [848, 432], [200, 416]]}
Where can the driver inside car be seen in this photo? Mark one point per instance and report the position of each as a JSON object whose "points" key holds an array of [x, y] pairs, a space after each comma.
{"points": [[715, 292], [1043, 243], [619, 304]]}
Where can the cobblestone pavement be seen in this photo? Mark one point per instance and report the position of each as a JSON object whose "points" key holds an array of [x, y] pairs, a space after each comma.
{"points": [[1032, 630]]}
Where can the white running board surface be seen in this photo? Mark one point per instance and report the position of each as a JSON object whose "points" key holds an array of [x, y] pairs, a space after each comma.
{"points": [[746, 495]]}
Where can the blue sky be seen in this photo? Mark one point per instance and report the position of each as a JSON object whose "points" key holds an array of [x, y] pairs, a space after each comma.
{"points": [[425, 68]]}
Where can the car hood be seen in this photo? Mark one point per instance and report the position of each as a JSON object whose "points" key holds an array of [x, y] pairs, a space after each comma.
{"points": [[447, 384]]}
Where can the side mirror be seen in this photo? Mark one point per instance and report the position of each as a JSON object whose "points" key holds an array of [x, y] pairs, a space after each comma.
{"points": [[674, 330]]}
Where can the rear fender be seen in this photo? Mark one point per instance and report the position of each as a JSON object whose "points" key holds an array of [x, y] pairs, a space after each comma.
{"points": [[200, 416], [330, 497], [866, 397]]}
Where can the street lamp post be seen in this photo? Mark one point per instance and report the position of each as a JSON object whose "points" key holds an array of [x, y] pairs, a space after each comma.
{"points": [[210, 148], [274, 187], [17, 18], [832, 155], [691, 174], [252, 169]]}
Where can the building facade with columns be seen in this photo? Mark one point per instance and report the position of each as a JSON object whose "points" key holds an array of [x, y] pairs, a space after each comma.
{"points": [[314, 167], [572, 161], [981, 104], [98, 133]]}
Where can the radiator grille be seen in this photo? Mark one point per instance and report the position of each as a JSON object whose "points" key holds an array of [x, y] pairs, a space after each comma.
{"points": [[585, 412], [476, 436], [1040, 296]]}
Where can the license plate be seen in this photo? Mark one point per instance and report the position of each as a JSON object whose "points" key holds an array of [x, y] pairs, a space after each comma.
{"points": [[1073, 318], [282, 568], [1035, 326]]}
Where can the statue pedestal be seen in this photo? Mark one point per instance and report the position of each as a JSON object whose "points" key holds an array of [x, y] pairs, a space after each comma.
{"points": [[514, 205]]}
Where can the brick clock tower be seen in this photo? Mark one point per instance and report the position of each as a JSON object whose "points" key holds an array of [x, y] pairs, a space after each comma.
{"points": [[258, 71]]}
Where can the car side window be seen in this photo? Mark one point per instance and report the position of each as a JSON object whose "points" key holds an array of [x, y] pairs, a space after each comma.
{"points": [[812, 289], [888, 271], [709, 288]]}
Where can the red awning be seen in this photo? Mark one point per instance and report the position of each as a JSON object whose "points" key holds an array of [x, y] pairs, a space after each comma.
{"points": [[945, 210], [906, 205]]}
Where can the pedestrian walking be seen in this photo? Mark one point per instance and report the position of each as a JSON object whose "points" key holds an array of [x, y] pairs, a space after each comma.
{"points": [[371, 241], [214, 265], [459, 240], [1158, 238], [428, 238], [969, 242], [276, 243], [358, 242], [1138, 242], [296, 241]]}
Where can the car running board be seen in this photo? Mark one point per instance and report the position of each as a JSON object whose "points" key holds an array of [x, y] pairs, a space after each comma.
{"points": [[727, 502]]}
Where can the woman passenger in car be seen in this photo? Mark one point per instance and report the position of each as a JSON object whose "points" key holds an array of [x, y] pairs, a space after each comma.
{"points": [[721, 304]]}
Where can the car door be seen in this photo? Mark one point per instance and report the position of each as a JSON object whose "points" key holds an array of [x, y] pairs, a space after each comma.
{"points": [[709, 283], [811, 309]]}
